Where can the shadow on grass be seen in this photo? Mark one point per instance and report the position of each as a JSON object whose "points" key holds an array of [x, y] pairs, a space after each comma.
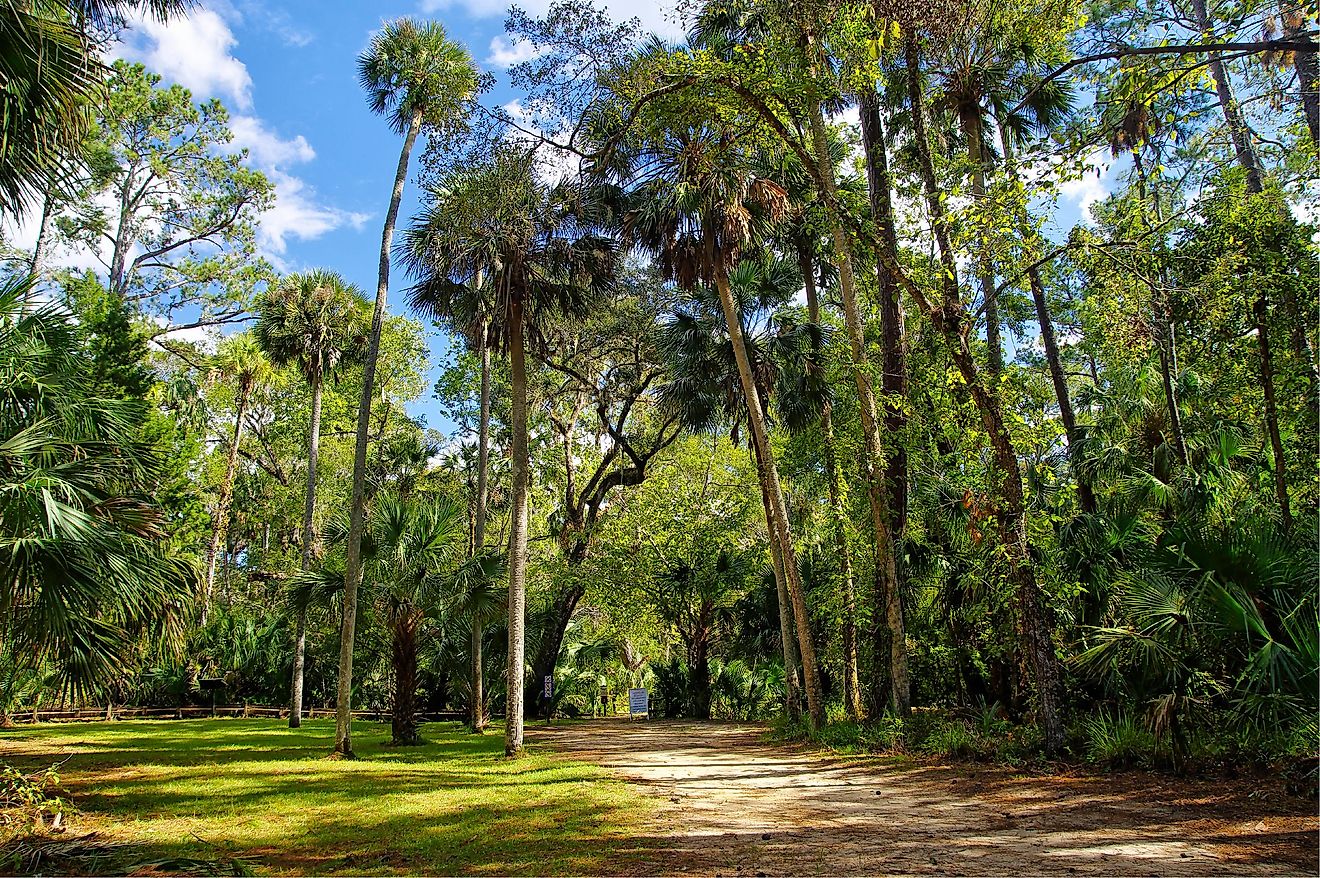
{"points": [[257, 790]]}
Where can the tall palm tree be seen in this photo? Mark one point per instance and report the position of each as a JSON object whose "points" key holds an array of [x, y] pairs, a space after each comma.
{"points": [[538, 245], [240, 362], [705, 387], [85, 565], [317, 322], [695, 204], [415, 76]]}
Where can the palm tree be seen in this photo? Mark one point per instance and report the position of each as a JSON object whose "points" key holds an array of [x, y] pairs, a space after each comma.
{"points": [[705, 387], [416, 76], [477, 600], [239, 360], [318, 322], [52, 74], [538, 246], [695, 204], [86, 568]]}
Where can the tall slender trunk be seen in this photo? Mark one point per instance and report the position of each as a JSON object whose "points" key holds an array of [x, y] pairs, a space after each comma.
{"points": [[852, 696], [1308, 78], [37, 267], [478, 708], [788, 641], [873, 464], [513, 722], [220, 524], [894, 384], [403, 701], [1245, 153], [779, 514], [308, 552], [358, 506], [985, 268], [950, 320]]}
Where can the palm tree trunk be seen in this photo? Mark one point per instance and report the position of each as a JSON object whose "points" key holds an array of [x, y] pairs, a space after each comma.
{"points": [[788, 642], [893, 335], [950, 320], [308, 553], [220, 524], [985, 269], [779, 516], [478, 718], [403, 654], [852, 695], [358, 505], [513, 722], [887, 585]]}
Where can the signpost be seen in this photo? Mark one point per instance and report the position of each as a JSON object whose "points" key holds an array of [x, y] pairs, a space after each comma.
{"points": [[639, 703]]}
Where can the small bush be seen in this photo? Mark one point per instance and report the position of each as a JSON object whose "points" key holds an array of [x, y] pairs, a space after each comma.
{"points": [[1119, 740], [31, 801]]}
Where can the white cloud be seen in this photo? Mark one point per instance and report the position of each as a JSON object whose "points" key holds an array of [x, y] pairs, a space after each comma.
{"points": [[659, 16], [194, 51], [1092, 186], [506, 53], [297, 213], [265, 146]]}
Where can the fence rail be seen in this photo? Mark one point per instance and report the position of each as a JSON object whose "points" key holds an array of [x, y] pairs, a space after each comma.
{"points": [[252, 711]]}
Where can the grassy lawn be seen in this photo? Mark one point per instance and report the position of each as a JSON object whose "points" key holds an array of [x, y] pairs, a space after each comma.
{"points": [[258, 790]]}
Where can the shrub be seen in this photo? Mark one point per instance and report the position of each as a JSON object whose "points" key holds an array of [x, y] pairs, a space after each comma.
{"points": [[1119, 740]]}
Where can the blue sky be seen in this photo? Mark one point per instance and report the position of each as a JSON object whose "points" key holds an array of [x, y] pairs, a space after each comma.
{"points": [[287, 73]]}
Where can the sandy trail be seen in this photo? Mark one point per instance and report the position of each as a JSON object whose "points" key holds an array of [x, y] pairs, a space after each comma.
{"points": [[730, 804]]}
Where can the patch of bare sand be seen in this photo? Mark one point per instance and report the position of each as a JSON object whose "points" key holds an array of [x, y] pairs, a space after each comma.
{"points": [[730, 804]]}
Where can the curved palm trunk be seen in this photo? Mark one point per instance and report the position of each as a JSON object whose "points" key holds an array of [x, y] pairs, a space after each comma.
{"points": [[888, 592], [779, 516], [308, 554], [220, 527], [852, 693], [950, 320], [478, 706], [513, 721], [403, 657], [358, 507], [985, 268], [787, 639]]}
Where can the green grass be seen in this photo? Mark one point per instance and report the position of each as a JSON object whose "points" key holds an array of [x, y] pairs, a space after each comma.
{"points": [[258, 790]]}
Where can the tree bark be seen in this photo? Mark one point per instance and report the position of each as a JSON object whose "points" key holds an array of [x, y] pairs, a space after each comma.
{"points": [[220, 526], [308, 553], [873, 462], [1294, 28], [787, 639], [403, 704], [852, 695], [513, 724], [478, 708], [950, 321], [894, 352], [985, 269], [760, 435], [358, 506]]}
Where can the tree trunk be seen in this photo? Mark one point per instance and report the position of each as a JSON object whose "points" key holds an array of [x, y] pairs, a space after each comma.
{"points": [[760, 435], [873, 462], [308, 552], [787, 640], [893, 335], [478, 707], [1245, 153], [358, 506], [220, 524], [403, 703], [950, 320], [985, 269], [513, 729], [852, 695], [699, 663], [1294, 28]]}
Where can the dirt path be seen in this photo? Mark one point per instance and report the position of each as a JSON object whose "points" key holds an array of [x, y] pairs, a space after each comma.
{"points": [[732, 805]]}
